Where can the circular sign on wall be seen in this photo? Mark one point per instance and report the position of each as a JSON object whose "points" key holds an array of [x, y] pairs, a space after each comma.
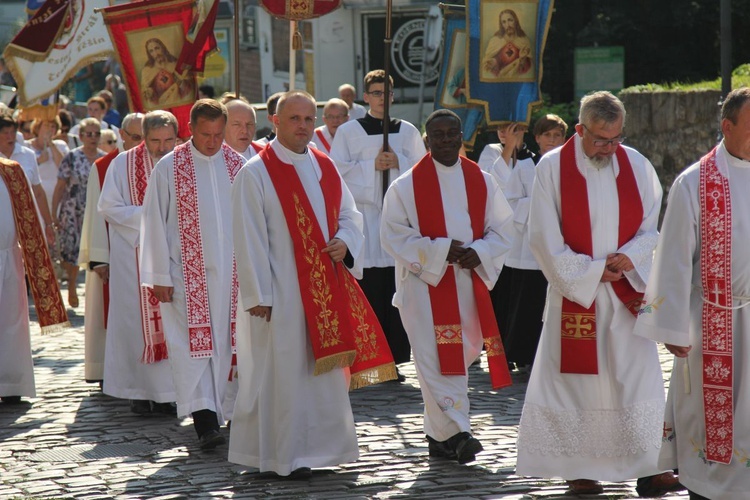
{"points": [[407, 53]]}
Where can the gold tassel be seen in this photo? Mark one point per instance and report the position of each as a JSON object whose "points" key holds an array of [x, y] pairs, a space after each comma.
{"points": [[297, 40], [340, 360], [55, 328], [372, 376]]}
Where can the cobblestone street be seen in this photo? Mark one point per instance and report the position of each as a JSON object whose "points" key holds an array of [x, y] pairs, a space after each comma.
{"points": [[71, 441]]}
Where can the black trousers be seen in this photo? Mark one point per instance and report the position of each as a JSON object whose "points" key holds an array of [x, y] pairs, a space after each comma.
{"points": [[204, 421], [695, 496], [379, 285]]}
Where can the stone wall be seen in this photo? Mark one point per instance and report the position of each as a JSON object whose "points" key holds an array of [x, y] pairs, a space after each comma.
{"points": [[672, 129]]}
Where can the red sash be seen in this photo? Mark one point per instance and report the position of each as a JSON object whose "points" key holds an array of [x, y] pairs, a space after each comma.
{"points": [[342, 327], [139, 168], [50, 309], [578, 323], [102, 165], [446, 316], [716, 279], [257, 147], [323, 140], [191, 246]]}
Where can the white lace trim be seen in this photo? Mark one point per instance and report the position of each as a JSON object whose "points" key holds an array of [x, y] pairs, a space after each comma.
{"points": [[591, 433], [641, 248], [569, 268]]}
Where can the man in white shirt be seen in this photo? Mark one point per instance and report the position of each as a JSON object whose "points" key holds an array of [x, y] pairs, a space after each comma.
{"points": [[348, 93]]}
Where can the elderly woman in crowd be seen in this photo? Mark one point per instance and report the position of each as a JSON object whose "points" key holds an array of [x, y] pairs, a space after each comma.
{"points": [[69, 199]]}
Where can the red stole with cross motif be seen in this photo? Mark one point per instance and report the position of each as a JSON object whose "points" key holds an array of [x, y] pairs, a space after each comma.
{"points": [[139, 168], [191, 247], [446, 316], [102, 165], [342, 326], [578, 323], [45, 290], [716, 279]]}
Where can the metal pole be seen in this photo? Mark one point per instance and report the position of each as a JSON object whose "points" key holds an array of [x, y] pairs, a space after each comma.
{"points": [[387, 90], [292, 55], [726, 47], [237, 49]]}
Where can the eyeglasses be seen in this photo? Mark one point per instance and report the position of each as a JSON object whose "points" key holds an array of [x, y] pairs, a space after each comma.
{"points": [[111, 142], [135, 137], [600, 143], [439, 135], [379, 93], [91, 134], [336, 117]]}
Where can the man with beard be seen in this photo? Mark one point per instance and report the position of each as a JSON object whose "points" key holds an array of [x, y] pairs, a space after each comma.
{"points": [[135, 354], [594, 406]]}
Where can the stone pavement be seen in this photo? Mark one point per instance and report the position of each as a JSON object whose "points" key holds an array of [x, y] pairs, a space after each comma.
{"points": [[71, 441]]}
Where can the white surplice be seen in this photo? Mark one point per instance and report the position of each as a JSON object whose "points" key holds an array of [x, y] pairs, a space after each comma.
{"points": [[674, 294], [606, 426], [200, 382], [94, 248], [489, 155], [421, 263], [125, 376], [354, 151], [16, 365], [284, 418]]}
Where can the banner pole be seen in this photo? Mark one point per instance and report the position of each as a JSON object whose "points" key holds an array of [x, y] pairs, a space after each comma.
{"points": [[237, 49]]}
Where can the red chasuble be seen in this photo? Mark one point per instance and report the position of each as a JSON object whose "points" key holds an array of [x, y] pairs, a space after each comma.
{"points": [[578, 323], [716, 279], [342, 327], [446, 316], [44, 288]]}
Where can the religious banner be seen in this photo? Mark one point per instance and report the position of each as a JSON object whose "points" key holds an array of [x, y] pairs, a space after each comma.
{"points": [[32, 6], [298, 10], [148, 36], [506, 44], [62, 37], [451, 91], [200, 40]]}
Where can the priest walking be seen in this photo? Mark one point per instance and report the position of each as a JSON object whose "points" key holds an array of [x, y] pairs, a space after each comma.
{"points": [[695, 303], [186, 257], [595, 397], [135, 362]]}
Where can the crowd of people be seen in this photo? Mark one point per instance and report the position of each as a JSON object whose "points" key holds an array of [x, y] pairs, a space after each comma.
{"points": [[225, 269]]}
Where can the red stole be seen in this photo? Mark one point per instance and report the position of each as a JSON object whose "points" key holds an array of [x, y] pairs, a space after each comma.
{"points": [[342, 327], [446, 316], [191, 247], [44, 287], [578, 323], [323, 140], [102, 165], [716, 280], [139, 168], [257, 147]]}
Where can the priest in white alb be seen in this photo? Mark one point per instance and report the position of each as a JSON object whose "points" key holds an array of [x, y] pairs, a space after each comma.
{"points": [[298, 238], [696, 303], [186, 257], [241, 123], [594, 404], [135, 362], [448, 226]]}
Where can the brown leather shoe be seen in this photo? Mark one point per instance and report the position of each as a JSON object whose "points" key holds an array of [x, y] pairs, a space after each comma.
{"points": [[658, 485], [584, 487]]}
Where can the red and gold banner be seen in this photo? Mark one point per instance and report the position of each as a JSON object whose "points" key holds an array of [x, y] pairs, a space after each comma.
{"points": [[297, 10], [148, 36]]}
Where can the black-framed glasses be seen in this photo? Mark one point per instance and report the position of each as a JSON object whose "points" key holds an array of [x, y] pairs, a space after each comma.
{"points": [[600, 143], [379, 93], [91, 134]]}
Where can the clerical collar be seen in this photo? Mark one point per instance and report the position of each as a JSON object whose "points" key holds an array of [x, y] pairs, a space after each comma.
{"points": [[291, 155], [447, 168], [374, 126], [732, 160], [201, 155]]}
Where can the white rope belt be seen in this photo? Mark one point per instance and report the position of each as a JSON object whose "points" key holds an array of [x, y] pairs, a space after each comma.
{"points": [[741, 298]]}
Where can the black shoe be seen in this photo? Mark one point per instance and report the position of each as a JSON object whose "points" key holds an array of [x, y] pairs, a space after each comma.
{"points": [[400, 377], [169, 409], [211, 440], [440, 449], [140, 406], [301, 474], [11, 400], [466, 447], [658, 485]]}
